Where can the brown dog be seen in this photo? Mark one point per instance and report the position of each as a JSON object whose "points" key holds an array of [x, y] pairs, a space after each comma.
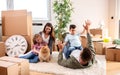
{"points": [[44, 54]]}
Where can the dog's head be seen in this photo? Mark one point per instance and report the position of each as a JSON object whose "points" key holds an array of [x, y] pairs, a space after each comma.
{"points": [[44, 50]]}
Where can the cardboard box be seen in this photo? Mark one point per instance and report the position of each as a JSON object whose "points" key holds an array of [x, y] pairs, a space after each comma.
{"points": [[16, 22], [22, 63], [2, 49], [28, 39], [8, 68], [96, 32], [113, 54], [83, 41], [99, 48]]}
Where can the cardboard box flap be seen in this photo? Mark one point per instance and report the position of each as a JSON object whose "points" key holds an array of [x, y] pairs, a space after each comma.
{"points": [[12, 59], [6, 64]]}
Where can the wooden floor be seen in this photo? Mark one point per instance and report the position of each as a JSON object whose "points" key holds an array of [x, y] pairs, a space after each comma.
{"points": [[112, 68]]}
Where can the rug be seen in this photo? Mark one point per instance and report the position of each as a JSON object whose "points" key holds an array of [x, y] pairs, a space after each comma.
{"points": [[98, 68]]}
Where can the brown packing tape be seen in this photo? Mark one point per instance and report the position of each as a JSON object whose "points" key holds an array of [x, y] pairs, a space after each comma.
{"points": [[2, 49]]}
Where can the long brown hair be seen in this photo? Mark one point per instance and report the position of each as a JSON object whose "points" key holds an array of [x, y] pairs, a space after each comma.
{"points": [[51, 32], [34, 38]]}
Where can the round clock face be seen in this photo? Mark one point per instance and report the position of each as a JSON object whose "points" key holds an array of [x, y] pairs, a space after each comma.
{"points": [[16, 45]]}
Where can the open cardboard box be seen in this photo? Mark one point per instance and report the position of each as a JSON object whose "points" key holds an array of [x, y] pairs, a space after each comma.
{"points": [[8, 68], [23, 64]]}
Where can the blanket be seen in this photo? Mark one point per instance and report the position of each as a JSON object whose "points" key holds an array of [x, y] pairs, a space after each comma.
{"points": [[53, 67]]}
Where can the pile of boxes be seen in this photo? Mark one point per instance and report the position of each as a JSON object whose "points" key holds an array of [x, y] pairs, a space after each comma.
{"points": [[17, 22]]}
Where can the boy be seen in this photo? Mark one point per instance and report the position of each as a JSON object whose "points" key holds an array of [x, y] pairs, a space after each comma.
{"points": [[72, 41]]}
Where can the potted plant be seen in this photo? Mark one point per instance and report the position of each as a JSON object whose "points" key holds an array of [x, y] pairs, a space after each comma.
{"points": [[62, 10]]}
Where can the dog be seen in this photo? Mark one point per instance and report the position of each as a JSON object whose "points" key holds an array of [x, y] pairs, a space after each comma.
{"points": [[44, 54]]}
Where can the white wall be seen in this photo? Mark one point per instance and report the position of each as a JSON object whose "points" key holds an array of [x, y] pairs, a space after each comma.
{"points": [[95, 10], [118, 9], [113, 23]]}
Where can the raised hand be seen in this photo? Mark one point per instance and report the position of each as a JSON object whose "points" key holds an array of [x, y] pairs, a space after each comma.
{"points": [[87, 25], [88, 22]]}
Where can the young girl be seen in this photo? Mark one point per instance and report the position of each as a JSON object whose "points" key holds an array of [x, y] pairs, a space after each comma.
{"points": [[33, 54]]}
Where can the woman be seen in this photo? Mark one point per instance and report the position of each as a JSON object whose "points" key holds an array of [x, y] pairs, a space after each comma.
{"points": [[48, 36]]}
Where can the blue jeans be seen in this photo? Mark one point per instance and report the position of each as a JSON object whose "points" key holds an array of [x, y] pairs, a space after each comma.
{"points": [[67, 50], [33, 58]]}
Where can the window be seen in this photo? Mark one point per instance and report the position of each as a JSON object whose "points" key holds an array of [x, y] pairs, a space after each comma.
{"points": [[40, 8], [3, 5]]}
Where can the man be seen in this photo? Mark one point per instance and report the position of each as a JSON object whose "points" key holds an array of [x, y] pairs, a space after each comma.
{"points": [[79, 58]]}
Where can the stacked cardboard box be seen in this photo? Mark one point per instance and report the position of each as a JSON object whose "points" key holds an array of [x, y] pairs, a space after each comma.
{"points": [[22, 66], [17, 22], [95, 32], [2, 49]]}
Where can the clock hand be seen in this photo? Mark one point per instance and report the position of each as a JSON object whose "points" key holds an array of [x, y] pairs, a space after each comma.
{"points": [[17, 45]]}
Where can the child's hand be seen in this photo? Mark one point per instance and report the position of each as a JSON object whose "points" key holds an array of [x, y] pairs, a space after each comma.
{"points": [[34, 50], [60, 46]]}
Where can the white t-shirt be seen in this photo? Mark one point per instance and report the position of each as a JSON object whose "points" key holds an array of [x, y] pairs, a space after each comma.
{"points": [[45, 39], [76, 54], [73, 39]]}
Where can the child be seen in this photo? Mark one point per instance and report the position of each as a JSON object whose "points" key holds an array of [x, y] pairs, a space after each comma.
{"points": [[33, 54], [72, 41]]}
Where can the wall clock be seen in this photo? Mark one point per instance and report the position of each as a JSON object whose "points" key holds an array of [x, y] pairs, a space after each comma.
{"points": [[16, 45]]}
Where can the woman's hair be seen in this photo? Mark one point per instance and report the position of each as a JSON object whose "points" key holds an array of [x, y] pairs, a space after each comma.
{"points": [[36, 36], [86, 55], [51, 32]]}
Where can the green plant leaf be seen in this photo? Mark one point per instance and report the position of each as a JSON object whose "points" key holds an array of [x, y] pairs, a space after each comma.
{"points": [[63, 10]]}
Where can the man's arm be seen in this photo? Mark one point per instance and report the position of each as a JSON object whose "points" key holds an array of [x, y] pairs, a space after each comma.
{"points": [[69, 63], [89, 40], [90, 43]]}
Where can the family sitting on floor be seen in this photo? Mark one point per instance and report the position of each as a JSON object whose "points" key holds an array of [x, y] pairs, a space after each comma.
{"points": [[75, 56]]}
